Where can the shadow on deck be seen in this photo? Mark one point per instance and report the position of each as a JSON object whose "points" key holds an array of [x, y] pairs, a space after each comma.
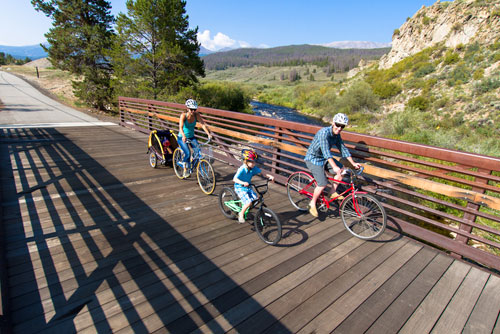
{"points": [[98, 241]]}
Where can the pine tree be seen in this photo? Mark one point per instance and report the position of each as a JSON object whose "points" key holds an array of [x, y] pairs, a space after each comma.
{"points": [[155, 54], [78, 42]]}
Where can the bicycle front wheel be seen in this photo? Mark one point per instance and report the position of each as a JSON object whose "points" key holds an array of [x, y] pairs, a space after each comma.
{"points": [[227, 201], [206, 176], [268, 226], [297, 194], [363, 216], [177, 158]]}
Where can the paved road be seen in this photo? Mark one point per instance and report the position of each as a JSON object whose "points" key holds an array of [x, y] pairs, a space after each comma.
{"points": [[25, 106]]}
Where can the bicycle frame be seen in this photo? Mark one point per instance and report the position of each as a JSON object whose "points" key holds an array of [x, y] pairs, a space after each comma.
{"points": [[196, 156], [309, 190], [237, 205]]}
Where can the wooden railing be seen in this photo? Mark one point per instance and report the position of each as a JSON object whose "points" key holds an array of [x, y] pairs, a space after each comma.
{"points": [[446, 198]]}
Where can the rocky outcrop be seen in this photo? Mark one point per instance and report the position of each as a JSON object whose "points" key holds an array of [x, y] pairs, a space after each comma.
{"points": [[452, 23]]}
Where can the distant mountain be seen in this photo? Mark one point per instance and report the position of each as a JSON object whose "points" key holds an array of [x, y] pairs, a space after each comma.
{"points": [[338, 60], [357, 45], [205, 51], [21, 52]]}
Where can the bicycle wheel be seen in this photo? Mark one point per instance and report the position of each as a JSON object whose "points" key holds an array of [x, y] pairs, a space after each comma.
{"points": [[228, 196], [177, 158], [297, 182], [268, 226], [153, 161], [363, 216], [206, 176]]}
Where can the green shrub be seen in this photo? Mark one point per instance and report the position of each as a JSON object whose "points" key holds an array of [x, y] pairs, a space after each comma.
{"points": [[495, 12], [495, 57], [357, 97], [426, 20], [451, 57], [396, 32], [478, 74], [419, 102], [461, 74], [386, 90], [223, 95], [486, 85], [457, 26], [424, 69]]}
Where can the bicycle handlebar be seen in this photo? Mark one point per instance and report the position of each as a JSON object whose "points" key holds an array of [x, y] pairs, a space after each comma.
{"points": [[354, 171]]}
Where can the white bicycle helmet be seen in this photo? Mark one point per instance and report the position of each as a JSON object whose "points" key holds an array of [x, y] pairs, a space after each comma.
{"points": [[191, 104], [340, 118]]}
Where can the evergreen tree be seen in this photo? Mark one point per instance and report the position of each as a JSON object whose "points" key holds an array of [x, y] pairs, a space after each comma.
{"points": [[155, 54], [80, 37]]}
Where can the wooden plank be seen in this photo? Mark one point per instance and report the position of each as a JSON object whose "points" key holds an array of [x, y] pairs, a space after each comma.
{"points": [[363, 317], [261, 320], [486, 310], [431, 308], [455, 315], [115, 315], [309, 309], [339, 310], [262, 298], [401, 309], [269, 258]]}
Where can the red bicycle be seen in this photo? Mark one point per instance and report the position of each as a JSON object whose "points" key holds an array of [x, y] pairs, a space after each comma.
{"points": [[362, 214]]}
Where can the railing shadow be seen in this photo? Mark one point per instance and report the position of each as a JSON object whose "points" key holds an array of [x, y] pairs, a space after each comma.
{"points": [[128, 260]]}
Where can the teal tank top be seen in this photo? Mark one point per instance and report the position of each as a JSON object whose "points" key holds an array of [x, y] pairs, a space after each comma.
{"points": [[188, 129]]}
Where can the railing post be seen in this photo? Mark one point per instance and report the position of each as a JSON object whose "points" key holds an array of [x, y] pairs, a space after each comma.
{"points": [[150, 117], [276, 154], [122, 114], [470, 217]]}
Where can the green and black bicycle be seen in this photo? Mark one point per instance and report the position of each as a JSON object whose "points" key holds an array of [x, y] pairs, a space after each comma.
{"points": [[266, 222]]}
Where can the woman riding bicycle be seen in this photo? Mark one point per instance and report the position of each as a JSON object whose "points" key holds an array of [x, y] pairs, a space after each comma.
{"points": [[187, 124], [319, 157]]}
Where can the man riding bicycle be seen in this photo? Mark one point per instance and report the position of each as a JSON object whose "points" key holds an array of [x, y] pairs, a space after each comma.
{"points": [[319, 158]]}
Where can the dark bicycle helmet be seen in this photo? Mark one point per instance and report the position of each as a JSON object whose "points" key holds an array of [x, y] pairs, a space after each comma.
{"points": [[249, 155]]}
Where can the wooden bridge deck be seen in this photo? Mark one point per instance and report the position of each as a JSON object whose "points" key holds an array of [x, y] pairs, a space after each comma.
{"points": [[96, 241]]}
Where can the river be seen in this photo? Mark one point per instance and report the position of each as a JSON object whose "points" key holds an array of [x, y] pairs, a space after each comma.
{"points": [[284, 113]]}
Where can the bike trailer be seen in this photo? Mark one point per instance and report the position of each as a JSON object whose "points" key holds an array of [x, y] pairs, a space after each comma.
{"points": [[161, 146]]}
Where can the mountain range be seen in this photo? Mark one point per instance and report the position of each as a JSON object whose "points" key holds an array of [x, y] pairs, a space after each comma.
{"points": [[36, 51], [21, 52]]}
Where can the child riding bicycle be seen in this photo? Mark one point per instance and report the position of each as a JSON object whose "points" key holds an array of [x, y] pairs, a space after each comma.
{"points": [[187, 124], [319, 157], [242, 180]]}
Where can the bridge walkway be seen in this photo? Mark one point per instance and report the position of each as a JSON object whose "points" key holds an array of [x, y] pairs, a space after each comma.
{"points": [[97, 241]]}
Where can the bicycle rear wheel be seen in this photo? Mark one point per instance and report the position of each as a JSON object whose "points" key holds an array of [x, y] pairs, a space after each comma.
{"points": [[268, 226], [227, 197], [177, 158], [206, 176], [153, 160], [363, 216], [297, 182]]}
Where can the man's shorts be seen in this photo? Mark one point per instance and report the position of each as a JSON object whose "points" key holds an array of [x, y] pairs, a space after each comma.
{"points": [[318, 171], [246, 194]]}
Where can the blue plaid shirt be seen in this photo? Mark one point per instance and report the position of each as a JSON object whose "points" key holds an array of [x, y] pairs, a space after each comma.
{"points": [[319, 150]]}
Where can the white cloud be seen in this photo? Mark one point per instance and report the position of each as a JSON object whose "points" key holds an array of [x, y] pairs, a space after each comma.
{"points": [[219, 41]]}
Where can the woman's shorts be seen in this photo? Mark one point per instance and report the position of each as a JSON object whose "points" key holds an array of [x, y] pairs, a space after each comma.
{"points": [[318, 171]]}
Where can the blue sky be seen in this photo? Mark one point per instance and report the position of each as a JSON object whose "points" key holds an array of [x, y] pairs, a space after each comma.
{"points": [[245, 23]]}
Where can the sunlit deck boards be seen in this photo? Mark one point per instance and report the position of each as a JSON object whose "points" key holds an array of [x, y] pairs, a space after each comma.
{"points": [[98, 241]]}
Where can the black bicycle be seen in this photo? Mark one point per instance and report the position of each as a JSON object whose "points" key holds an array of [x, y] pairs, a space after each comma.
{"points": [[266, 222]]}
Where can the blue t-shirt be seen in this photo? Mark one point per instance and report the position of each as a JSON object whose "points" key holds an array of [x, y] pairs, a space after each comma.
{"points": [[245, 174]]}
